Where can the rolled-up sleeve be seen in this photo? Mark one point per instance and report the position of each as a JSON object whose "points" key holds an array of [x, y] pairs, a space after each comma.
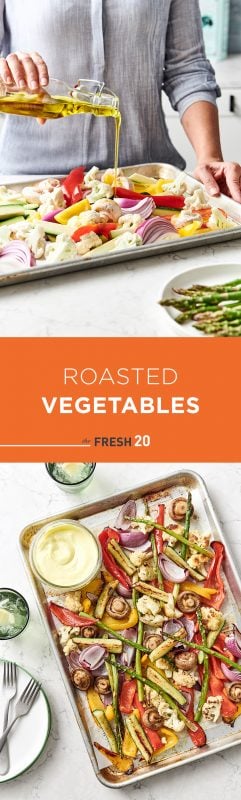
{"points": [[188, 75]]}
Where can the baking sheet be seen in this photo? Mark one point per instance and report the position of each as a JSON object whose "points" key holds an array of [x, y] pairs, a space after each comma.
{"points": [[133, 253], [95, 515]]}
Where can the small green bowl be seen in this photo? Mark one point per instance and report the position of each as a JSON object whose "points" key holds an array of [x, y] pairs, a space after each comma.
{"points": [[71, 487], [15, 604]]}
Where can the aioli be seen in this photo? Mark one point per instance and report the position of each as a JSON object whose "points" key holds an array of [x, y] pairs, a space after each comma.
{"points": [[65, 554]]}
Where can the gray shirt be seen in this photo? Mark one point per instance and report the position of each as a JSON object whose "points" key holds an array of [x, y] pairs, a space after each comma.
{"points": [[139, 48]]}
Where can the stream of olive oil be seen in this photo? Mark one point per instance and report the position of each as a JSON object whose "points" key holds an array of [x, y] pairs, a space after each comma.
{"points": [[57, 107]]}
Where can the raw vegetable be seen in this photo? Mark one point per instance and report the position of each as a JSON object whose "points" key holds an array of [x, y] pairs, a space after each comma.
{"points": [[20, 251], [206, 306], [101, 228], [72, 211], [72, 185]]}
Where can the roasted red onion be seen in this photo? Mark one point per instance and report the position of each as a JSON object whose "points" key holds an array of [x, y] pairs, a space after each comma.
{"points": [[128, 510], [128, 653], [233, 642], [92, 657], [133, 538], [171, 571], [106, 699], [123, 591], [230, 673], [172, 626]]}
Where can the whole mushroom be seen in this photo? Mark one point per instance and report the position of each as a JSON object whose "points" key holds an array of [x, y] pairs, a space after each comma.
{"points": [[117, 607], [152, 719], [177, 509], [102, 684], [187, 602], [82, 679]]}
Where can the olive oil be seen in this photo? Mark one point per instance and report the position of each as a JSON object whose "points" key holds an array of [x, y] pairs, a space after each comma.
{"points": [[55, 107]]}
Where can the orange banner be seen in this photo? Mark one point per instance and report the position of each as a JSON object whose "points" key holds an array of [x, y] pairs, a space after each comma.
{"points": [[120, 399]]}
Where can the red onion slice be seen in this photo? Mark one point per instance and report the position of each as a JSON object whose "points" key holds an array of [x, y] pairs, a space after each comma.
{"points": [[123, 591], [50, 216], [128, 653], [230, 673], [152, 229], [92, 657], [143, 207], [233, 642], [127, 510], [20, 251], [106, 699], [171, 571], [172, 626], [133, 538]]}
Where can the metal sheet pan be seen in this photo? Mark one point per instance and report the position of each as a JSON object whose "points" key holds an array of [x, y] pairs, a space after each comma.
{"points": [[95, 515], [50, 270]]}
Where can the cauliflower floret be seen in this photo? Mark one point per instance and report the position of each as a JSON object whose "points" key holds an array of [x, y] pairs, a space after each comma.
{"points": [[211, 618], [32, 234], [91, 176], [69, 647], [146, 604], [137, 558], [197, 200], [219, 221], [87, 243], [109, 177], [30, 194], [72, 602], [65, 636], [10, 195], [169, 607], [155, 621], [126, 240], [164, 666], [108, 209], [203, 539], [171, 539], [167, 713], [51, 200], [185, 218], [178, 186], [129, 222], [182, 678], [63, 249], [63, 633], [99, 190], [146, 572], [212, 707], [47, 185], [85, 218], [197, 561]]}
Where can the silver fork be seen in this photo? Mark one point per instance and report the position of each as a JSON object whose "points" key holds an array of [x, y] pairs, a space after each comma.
{"points": [[9, 689], [23, 706]]}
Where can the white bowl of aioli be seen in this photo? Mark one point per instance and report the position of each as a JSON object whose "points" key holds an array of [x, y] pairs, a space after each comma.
{"points": [[65, 555]]}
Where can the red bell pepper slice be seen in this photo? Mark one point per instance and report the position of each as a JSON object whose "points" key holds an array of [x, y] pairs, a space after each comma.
{"points": [[216, 687], [198, 736], [101, 228], [158, 534], [214, 579], [153, 736], [69, 617], [127, 695], [129, 194], [169, 201], [109, 561], [216, 669], [72, 185]]}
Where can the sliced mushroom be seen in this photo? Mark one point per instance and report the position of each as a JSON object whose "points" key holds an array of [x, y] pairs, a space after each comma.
{"points": [[234, 692], [151, 718], [187, 602], [117, 607], [152, 640], [177, 509], [102, 685], [186, 661], [82, 679], [89, 631]]}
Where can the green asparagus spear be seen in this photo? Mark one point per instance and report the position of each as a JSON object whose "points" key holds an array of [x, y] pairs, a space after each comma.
{"points": [[187, 525], [204, 688]]}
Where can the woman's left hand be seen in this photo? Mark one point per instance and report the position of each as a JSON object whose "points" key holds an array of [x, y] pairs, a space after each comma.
{"points": [[220, 176]]}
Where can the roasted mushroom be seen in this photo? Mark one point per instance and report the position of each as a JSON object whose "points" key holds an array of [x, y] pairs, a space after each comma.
{"points": [[82, 679], [151, 718], [187, 602], [234, 692], [152, 640], [89, 631], [177, 509], [186, 661], [102, 685], [117, 607]]}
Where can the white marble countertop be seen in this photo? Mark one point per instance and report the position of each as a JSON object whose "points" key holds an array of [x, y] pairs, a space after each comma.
{"points": [[64, 770], [120, 300]]}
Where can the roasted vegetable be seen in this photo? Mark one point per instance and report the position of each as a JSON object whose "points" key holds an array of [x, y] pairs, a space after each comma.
{"points": [[187, 602], [82, 679], [151, 718], [139, 737], [118, 608], [155, 674], [122, 559], [186, 661], [121, 763], [103, 598], [174, 556], [102, 685], [112, 645], [178, 508]]}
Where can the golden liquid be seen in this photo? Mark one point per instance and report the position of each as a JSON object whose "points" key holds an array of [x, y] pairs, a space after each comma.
{"points": [[56, 107]]}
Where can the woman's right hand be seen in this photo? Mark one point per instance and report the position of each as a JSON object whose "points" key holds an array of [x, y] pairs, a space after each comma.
{"points": [[25, 70]]}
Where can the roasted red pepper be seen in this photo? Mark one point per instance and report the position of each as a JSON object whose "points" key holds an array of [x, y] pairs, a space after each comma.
{"points": [[69, 617], [127, 695], [101, 228], [72, 185], [214, 579], [109, 561], [198, 736], [153, 736], [228, 708], [158, 534]]}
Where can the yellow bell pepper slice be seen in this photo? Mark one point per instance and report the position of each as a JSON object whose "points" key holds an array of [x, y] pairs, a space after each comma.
{"points": [[95, 704], [109, 713], [191, 228], [129, 747], [237, 712], [201, 590], [121, 763], [121, 625], [72, 211], [94, 587], [87, 607]]}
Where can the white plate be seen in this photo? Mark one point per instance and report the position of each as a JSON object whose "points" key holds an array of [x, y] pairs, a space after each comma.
{"points": [[30, 734], [209, 275]]}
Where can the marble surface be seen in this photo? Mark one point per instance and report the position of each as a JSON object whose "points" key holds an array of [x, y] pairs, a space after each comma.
{"points": [[64, 770]]}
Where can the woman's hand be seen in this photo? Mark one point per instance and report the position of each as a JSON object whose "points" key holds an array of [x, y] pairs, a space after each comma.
{"points": [[25, 70], [220, 176]]}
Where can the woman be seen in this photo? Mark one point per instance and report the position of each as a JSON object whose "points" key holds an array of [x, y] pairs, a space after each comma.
{"points": [[138, 48]]}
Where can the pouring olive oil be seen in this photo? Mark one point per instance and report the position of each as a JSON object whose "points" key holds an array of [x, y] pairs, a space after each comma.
{"points": [[88, 97]]}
